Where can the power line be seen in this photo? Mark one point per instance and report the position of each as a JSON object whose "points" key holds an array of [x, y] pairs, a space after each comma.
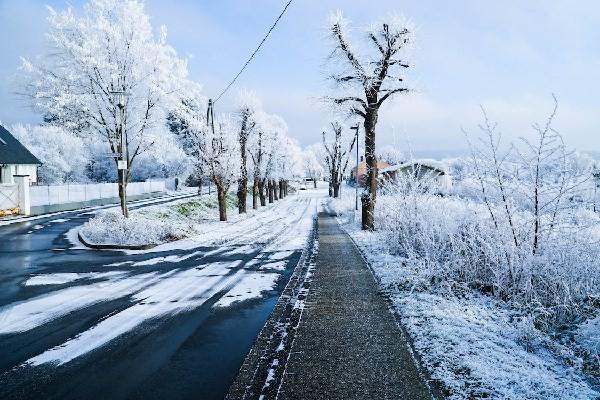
{"points": [[254, 53]]}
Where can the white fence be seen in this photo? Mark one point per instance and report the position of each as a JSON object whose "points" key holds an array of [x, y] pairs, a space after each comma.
{"points": [[61, 194], [9, 197]]}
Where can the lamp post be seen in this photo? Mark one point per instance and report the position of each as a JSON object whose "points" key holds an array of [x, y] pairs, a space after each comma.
{"points": [[119, 98], [356, 128]]}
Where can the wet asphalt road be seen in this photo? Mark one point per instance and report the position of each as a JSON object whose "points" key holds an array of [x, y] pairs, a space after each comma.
{"points": [[191, 354]]}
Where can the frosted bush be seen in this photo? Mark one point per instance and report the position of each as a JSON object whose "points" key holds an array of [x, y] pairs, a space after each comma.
{"points": [[453, 241], [111, 227]]}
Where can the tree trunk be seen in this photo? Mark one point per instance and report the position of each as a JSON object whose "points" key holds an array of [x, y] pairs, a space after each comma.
{"points": [[270, 190], [255, 194], [275, 193], [221, 196], [281, 192], [286, 188], [315, 183], [336, 190], [242, 191], [370, 196], [261, 193], [330, 189], [242, 194], [123, 193]]}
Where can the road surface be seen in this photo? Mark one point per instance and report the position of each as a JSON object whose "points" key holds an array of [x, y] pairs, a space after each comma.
{"points": [[173, 322]]}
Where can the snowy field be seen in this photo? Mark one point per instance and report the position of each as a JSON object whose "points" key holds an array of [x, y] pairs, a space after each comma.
{"points": [[476, 345], [217, 266]]}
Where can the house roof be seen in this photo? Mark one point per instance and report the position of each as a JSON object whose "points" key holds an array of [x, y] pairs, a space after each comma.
{"points": [[430, 164], [13, 152], [380, 164]]}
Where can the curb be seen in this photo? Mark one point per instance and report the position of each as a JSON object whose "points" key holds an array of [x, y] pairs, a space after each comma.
{"points": [[95, 246], [276, 337]]}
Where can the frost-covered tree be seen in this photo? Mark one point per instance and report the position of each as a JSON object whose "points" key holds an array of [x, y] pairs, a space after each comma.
{"points": [[219, 152], [215, 144], [164, 159], [313, 169], [533, 190], [289, 166], [391, 155], [366, 80], [248, 109], [263, 148], [337, 147], [64, 156], [109, 48]]}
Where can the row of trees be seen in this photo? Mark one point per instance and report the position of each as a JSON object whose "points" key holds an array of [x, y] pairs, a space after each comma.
{"points": [[234, 149], [108, 79]]}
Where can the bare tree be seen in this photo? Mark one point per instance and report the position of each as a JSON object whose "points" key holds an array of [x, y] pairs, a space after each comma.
{"points": [[337, 155], [540, 177], [370, 80], [311, 164]]}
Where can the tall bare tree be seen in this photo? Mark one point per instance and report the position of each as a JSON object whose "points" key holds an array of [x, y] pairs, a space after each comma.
{"points": [[369, 80]]}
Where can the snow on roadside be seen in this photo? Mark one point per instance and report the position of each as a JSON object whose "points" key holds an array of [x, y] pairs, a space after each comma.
{"points": [[472, 343], [61, 278], [164, 224], [474, 349], [110, 227]]}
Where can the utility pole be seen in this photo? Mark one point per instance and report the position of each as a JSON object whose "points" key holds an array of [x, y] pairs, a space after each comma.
{"points": [[210, 121], [356, 128]]}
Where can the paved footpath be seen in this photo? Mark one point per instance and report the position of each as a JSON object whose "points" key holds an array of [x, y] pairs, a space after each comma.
{"points": [[348, 344]]}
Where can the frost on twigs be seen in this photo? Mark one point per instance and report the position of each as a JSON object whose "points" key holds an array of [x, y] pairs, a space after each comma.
{"points": [[502, 269], [377, 66]]}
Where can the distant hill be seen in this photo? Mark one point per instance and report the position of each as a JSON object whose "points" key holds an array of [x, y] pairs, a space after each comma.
{"points": [[453, 153], [595, 154]]}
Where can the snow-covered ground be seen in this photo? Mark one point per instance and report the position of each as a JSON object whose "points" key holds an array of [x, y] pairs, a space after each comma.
{"points": [[158, 224], [256, 250], [475, 345]]}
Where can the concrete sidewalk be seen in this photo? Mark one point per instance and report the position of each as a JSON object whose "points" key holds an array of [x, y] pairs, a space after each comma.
{"points": [[348, 344]]}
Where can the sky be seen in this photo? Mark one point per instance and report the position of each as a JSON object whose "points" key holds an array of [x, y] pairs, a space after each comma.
{"points": [[509, 57]]}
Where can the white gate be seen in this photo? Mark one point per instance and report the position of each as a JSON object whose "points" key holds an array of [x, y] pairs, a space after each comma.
{"points": [[9, 199]]}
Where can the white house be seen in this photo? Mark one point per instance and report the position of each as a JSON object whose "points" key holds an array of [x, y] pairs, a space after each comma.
{"points": [[15, 159]]}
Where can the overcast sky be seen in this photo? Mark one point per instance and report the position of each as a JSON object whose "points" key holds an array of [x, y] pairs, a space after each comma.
{"points": [[508, 56]]}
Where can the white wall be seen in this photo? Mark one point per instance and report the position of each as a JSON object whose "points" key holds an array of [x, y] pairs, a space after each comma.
{"points": [[8, 172], [43, 195]]}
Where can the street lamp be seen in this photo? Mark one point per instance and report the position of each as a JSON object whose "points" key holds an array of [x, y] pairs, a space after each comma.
{"points": [[119, 98], [356, 128]]}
